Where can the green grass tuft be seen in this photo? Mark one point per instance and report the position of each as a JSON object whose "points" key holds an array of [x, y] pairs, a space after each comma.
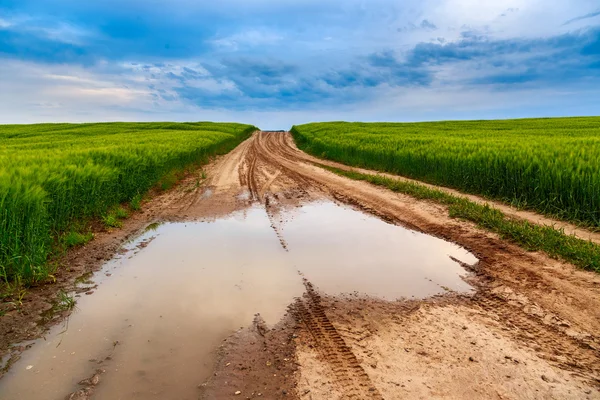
{"points": [[168, 181], [136, 202], [72, 238], [65, 302], [121, 213], [152, 227], [111, 220]]}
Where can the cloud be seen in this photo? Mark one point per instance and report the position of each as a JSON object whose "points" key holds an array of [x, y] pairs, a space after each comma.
{"points": [[424, 25], [251, 56], [571, 51], [509, 11], [28, 46], [582, 17], [5, 23], [251, 38], [428, 25], [88, 38], [251, 83]]}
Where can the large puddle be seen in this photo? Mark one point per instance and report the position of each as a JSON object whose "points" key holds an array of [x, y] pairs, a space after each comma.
{"points": [[163, 306]]}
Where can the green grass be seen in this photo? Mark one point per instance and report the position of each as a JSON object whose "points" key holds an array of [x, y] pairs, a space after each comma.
{"points": [[73, 238], [65, 302], [169, 180], [549, 165], [152, 227], [121, 213], [136, 202], [54, 176], [111, 220], [555, 243]]}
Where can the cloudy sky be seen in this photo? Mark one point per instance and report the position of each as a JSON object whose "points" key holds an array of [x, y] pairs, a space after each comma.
{"points": [[277, 63]]}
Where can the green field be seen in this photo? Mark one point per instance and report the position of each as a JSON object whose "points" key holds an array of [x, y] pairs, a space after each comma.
{"points": [[53, 176], [550, 165]]}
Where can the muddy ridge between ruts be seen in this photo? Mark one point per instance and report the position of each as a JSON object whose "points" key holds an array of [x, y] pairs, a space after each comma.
{"points": [[536, 318]]}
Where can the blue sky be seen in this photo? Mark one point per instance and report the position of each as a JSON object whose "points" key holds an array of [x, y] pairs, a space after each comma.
{"points": [[275, 64]]}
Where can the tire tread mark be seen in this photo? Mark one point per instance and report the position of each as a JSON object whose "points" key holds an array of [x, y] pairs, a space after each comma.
{"points": [[349, 375], [566, 352]]}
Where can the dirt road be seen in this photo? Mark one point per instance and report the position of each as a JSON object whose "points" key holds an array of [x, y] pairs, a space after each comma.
{"points": [[528, 331]]}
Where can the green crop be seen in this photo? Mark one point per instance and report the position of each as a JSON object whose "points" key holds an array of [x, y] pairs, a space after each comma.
{"points": [[52, 175], [550, 165]]}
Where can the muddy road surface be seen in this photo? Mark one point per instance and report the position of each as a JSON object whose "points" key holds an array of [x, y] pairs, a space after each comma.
{"points": [[274, 278]]}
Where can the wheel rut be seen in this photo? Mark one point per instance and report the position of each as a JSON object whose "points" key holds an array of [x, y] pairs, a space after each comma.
{"points": [[351, 378], [553, 345]]}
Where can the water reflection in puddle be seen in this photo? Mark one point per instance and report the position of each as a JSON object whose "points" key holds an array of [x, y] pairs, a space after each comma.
{"points": [[343, 251], [167, 302]]}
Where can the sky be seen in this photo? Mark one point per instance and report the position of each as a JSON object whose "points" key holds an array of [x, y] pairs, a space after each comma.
{"points": [[279, 63]]}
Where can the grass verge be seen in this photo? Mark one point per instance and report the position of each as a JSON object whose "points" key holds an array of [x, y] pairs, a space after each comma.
{"points": [[554, 242]]}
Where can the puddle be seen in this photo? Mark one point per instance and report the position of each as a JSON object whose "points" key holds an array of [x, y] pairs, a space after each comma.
{"points": [[166, 302], [167, 308], [342, 251]]}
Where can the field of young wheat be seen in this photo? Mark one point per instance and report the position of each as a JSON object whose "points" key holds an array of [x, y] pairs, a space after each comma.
{"points": [[53, 176], [550, 165]]}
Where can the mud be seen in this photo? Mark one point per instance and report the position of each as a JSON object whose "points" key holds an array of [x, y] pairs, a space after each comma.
{"points": [[517, 325]]}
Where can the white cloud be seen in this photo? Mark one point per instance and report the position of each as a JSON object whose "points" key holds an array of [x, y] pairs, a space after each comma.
{"points": [[5, 23], [46, 93], [341, 34], [65, 33], [63, 90], [248, 38]]}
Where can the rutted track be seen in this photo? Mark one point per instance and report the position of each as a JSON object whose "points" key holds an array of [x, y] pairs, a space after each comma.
{"points": [[556, 314]]}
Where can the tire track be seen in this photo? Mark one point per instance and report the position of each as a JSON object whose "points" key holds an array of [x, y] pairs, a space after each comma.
{"points": [[581, 356], [253, 171], [268, 147], [351, 378], [251, 177], [554, 345]]}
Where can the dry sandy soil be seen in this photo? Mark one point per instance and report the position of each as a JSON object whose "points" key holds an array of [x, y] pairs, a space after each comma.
{"points": [[529, 330]]}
